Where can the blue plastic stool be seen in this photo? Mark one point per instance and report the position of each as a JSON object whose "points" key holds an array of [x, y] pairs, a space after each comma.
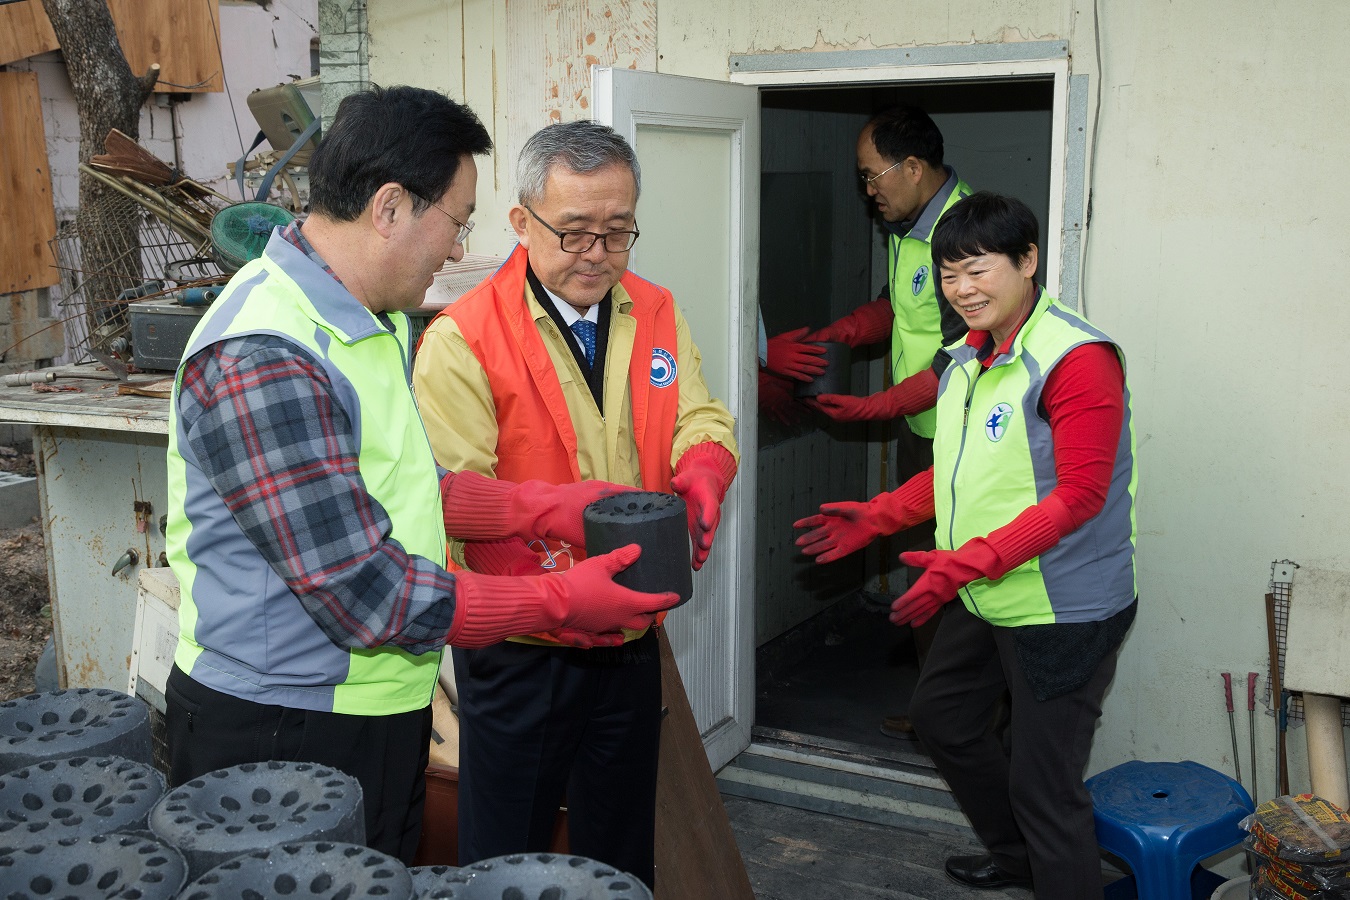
{"points": [[1162, 819]]}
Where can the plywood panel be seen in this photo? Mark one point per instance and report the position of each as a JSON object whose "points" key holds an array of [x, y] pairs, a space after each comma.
{"points": [[27, 219], [696, 853], [180, 35], [25, 31]]}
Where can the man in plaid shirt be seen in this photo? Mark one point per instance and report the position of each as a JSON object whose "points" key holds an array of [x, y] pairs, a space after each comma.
{"points": [[308, 521]]}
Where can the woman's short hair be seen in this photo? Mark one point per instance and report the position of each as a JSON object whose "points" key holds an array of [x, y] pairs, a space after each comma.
{"points": [[984, 223]]}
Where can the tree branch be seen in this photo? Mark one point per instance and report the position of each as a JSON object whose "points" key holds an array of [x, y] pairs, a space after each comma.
{"points": [[147, 81]]}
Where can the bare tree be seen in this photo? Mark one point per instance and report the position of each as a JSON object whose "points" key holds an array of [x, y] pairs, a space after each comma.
{"points": [[107, 96]]}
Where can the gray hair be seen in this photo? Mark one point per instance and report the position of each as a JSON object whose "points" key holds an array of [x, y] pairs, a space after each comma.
{"points": [[580, 147]]}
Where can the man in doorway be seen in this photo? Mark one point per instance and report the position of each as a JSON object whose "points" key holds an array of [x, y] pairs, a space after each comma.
{"points": [[305, 524], [900, 153], [566, 365]]}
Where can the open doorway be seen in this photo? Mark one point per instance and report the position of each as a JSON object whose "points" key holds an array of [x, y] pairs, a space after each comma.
{"points": [[829, 665]]}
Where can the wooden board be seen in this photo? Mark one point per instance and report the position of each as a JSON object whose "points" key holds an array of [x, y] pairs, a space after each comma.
{"points": [[180, 36], [696, 854], [27, 217], [1317, 655], [25, 31], [94, 402]]}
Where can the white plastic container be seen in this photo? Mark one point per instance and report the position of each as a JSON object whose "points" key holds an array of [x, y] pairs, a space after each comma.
{"points": [[1236, 889]]}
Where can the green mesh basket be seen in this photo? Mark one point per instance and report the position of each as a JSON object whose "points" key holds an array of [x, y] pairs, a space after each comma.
{"points": [[239, 233]]}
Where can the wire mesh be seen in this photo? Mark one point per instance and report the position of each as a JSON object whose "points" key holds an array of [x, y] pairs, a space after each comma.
{"points": [[1283, 593], [108, 257]]}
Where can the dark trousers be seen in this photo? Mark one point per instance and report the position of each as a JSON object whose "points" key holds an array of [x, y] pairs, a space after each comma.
{"points": [[1030, 810], [387, 755], [538, 723]]}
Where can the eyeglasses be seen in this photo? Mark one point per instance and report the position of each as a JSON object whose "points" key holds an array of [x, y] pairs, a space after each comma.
{"points": [[464, 227], [868, 179], [577, 241]]}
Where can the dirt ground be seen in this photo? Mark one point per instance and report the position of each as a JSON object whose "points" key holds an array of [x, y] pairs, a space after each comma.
{"points": [[25, 613]]}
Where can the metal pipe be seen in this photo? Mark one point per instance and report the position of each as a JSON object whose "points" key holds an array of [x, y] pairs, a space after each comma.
{"points": [[21, 378]]}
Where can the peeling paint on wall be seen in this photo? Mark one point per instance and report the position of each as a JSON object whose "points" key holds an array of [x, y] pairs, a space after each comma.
{"points": [[550, 51]]}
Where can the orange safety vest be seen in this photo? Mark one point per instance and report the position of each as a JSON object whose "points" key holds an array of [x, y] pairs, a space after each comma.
{"points": [[536, 438]]}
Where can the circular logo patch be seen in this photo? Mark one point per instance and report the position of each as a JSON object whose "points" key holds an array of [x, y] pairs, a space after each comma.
{"points": [[663, 368], [919, 280], [997, 423]]}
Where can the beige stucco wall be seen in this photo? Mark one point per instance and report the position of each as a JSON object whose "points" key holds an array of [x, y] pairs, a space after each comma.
{"points": [[1217, 237], [1218, 212]]}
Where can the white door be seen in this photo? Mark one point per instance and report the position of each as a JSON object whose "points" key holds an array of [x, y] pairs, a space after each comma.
{"points": [[698, 144]]}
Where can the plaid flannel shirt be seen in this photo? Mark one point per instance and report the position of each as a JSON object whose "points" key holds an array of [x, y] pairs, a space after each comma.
{"points": [[266, 426]]}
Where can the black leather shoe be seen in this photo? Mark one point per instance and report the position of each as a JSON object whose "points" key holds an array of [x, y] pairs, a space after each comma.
{"points": [[898, 727], [980, 872]]}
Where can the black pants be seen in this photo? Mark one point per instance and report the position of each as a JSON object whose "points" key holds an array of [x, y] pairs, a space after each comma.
{"points": [[538, 723], [387, 755], [1031, 811]]}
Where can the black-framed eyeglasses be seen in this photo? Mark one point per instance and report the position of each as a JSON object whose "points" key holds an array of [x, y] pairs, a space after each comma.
{"points": [[868, 179], [464, 227], [582, 241]]}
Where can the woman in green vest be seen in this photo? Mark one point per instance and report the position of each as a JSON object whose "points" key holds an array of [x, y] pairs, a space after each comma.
{"points": [[1032, 492]]}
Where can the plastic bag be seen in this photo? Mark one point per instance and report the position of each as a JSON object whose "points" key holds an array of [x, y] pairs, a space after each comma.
{"points": [[1301, 846]]}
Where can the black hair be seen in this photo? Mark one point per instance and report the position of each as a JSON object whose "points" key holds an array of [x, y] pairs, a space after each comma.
{"points": [[984, 223], [404, 135], [901, 131]]}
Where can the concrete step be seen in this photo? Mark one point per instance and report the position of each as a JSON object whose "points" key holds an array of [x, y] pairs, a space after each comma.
{"points": [[897, 787], [18, 500]]}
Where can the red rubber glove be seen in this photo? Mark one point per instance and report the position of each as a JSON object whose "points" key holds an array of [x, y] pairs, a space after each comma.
{"points": [[583, 599], [480, 508], [702, 477], [868, 324], [789, 357], [514, 557], [947, 571], [844, 528], [915, 394], [776, 400], [509, 557]]}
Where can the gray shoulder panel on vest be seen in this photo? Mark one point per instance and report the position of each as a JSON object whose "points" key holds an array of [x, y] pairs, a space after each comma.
{"points": [[329, 297]]}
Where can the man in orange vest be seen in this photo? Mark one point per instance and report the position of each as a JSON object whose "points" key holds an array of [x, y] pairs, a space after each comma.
{"points": [[564, 366]]}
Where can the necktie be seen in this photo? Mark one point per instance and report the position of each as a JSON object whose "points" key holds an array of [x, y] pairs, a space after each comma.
{"points": [[585, 332]]}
